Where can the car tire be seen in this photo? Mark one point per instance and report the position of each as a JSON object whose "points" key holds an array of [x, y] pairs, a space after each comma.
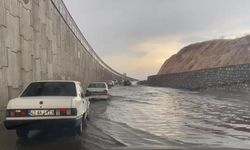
{"points": [[84, 122], [22, 133], [79, 129], [87, 118], [82, 126]]}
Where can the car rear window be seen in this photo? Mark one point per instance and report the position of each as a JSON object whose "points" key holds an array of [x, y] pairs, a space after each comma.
{"points": [[97, 85], [50, 89]]}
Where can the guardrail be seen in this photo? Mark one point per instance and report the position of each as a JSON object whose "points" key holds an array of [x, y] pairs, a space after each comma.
{"points": [[62, 9]]}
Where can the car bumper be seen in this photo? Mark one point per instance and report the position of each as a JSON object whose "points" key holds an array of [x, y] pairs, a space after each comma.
{"points": [[42, 124], [99, 97]]}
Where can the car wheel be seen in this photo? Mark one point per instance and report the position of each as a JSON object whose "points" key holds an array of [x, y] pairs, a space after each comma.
{"points": [[79, 129], [82, 126], [22, 133], [84, 122], [87, 118]]}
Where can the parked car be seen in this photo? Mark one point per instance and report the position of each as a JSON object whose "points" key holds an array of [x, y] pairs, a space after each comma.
{"points": [[121, 82], [98, 90], [48, 105], [127, 83], [110, 83], [115, 82]]}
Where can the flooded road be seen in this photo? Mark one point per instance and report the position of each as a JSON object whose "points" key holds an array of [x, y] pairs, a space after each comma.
{"points": [[140, 117]]}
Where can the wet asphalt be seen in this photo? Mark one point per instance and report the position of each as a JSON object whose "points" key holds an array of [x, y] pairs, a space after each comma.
{"points": [[140, 117]]}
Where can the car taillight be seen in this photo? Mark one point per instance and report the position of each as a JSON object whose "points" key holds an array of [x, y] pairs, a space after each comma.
{"points": [[105, 92], [88, 93], [12, 113], [23, 113], [63, 111], [16, 113], [66, 112], [74, 111]]}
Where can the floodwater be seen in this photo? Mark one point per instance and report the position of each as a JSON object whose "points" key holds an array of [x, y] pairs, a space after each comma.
{"points": [[140, 117]]}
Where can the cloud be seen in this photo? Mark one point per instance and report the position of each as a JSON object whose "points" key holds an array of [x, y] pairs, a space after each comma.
{"points": [[154, 53], [137, 29]]}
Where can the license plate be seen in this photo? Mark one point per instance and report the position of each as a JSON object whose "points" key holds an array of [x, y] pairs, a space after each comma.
{"points": [[41, 112]]}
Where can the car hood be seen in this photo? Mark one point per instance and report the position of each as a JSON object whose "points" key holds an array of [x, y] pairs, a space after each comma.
{"points": [[41, 102]]}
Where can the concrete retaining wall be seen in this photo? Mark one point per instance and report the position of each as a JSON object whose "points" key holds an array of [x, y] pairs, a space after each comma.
{"points": [[39, 40], [235, 78]]}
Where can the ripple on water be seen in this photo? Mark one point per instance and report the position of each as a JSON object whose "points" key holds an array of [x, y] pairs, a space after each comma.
{"points": [[187, 117]]}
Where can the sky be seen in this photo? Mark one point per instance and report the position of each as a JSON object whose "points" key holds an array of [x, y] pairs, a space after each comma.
{"points": [[137, 36]]}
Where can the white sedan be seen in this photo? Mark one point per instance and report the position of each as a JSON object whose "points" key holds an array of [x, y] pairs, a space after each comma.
{"points": [[98, 90], [48, 105]]}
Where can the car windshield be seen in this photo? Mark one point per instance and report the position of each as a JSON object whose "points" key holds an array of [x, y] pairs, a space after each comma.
{"points": [[97, 85], [50, 89]]}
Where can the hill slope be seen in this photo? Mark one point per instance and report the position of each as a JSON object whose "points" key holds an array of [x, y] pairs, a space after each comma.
{"points": [[209, 54]]}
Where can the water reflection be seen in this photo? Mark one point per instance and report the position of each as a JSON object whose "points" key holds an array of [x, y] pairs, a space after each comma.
{"points": [[182, 116]]}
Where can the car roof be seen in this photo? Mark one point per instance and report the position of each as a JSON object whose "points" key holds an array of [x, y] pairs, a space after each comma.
{"points": [[56, 81], [98, 83]]}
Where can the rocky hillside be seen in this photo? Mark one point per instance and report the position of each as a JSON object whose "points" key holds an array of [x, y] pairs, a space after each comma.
{"points": [[209, 54]]}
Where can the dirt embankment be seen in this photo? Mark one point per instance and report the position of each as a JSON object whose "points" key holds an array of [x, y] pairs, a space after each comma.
{"points": [[209, 54]]}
